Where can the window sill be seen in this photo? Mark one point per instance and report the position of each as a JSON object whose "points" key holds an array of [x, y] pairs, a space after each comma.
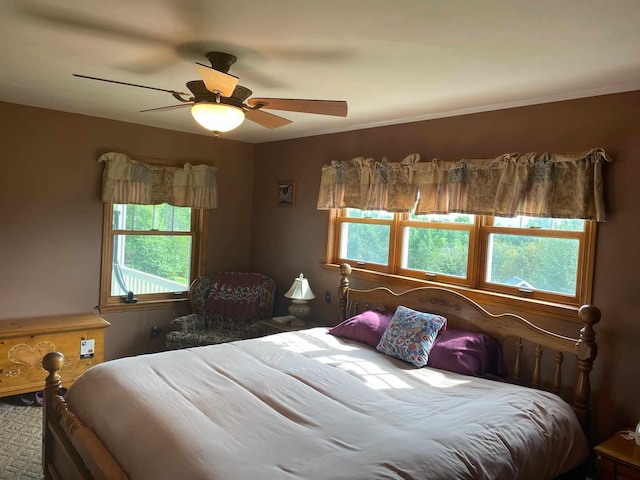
{"points": [[143, 305], [483, 297]]}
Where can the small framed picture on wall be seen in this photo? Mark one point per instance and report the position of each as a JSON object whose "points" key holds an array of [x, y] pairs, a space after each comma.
{"points": [[287, 193]]}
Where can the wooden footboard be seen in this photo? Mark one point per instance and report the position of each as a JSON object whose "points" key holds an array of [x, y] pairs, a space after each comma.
{"points": [[70, 449], [465, 314]]}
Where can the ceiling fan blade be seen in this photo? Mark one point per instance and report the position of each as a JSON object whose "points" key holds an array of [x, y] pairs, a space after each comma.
{"points": [[337, 108], [265, 119], [216, 81], [173, 92], [170, 107]]}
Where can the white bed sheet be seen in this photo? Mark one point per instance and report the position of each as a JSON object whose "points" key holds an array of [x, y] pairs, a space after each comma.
{"points": [[308, 405]]}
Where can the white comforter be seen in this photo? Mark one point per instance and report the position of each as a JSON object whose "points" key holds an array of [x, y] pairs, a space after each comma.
{"points": [[307, 405]]}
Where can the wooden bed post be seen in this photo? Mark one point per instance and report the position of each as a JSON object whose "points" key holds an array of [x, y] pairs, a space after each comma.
{"points": [[586, 351], [345, 271], [52, 362], [70, 449]]}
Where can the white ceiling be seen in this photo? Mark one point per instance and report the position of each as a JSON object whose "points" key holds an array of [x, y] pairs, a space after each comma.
{"points": [[392, 61]]}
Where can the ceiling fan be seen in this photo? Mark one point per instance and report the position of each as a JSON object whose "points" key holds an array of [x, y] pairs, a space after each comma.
{"points": [[219, 104]]}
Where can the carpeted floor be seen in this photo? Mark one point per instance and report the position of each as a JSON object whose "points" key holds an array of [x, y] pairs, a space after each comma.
{"points": [[20, 441]]}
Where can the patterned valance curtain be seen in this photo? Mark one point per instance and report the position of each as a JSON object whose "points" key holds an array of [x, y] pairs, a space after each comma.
{"points": [[128, 181], [369, 185], [532, 184]]}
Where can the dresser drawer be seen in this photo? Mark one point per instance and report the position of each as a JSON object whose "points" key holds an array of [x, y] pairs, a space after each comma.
{"points": [[625, 472]]}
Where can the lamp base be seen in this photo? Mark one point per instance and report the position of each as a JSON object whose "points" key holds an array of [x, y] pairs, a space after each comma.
{"points": [[299, 309]]}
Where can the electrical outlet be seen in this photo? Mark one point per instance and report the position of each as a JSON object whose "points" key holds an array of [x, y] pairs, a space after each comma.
{"points": [[155, 331], [327, 296]]}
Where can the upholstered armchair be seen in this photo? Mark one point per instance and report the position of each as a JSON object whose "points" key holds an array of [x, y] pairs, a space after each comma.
{"points": [[226, 307]]}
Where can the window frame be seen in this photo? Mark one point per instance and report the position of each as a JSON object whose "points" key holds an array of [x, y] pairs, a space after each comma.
{"points": [[114, 303], [392, 223], [405, 222], [584, 274], [474, 284]]}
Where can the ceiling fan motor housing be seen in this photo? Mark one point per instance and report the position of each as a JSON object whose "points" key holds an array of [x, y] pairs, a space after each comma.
{"points": [[201, 94], [221, 61]]}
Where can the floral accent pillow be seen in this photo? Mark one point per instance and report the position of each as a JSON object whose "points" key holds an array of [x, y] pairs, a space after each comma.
{"points": [[410, 335]]}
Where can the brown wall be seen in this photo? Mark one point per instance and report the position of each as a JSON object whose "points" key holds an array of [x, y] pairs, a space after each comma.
{"points": [[290, 240], [51, 213]]}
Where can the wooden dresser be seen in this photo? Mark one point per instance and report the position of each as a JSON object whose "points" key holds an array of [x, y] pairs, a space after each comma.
{"points": [[618, 459], [25, 341]]}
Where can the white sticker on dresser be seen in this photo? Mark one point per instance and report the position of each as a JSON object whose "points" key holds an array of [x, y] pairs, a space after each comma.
{"points": [[87, 348]]}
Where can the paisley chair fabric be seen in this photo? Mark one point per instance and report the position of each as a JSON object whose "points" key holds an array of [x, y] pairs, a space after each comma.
{"points": [[226, 307]]}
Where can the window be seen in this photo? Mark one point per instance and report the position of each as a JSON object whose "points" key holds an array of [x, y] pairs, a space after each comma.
{"points": [[153, 251], [544, 259], [366, 237]]}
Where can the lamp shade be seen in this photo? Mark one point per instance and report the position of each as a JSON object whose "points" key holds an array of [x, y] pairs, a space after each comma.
{"points": [[300, 290], [217, 117]]}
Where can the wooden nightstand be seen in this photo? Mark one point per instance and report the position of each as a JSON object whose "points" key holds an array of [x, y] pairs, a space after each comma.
{"points": [[618, 459], [274, 326]]}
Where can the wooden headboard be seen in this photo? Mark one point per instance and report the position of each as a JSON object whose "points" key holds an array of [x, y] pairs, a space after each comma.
{"points": [[465, 314]]}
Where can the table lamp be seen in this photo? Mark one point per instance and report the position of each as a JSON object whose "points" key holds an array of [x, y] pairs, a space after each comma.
{"points": [[299, 293]]}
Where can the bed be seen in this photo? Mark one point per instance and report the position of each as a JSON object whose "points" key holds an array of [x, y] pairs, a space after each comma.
{"points": [[317, 404]]}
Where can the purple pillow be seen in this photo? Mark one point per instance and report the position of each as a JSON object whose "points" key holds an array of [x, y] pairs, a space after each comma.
{"points": [[468, 353], [367, 327]]}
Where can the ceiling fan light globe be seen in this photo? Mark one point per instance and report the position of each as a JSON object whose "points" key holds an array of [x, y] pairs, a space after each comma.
{"points": [[217, 117]]}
